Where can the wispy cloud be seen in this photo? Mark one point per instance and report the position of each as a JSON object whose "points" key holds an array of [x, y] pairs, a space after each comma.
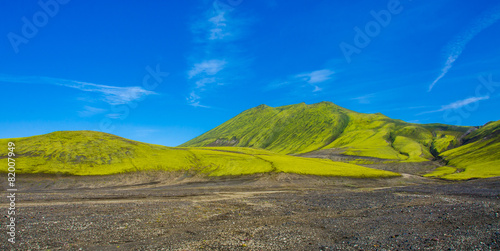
{"points": [[455, 48], [204, 75], [194, 100], [458, 104], [214, 51], [207, 68], [113, 95], [219, 26], [462, 103], [204, 81], [316, 77], [365, 99], [312, 78], [215, 26], [89, 111]]}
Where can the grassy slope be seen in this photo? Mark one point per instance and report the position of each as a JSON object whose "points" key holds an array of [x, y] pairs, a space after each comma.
{"points": [[247, 160], [303, 128], [287, 129], [479, 157], [95, 153], [87, 152]]}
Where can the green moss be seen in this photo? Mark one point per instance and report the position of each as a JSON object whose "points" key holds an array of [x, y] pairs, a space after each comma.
{"points": [[303, 128], [288, 164], [361, 162], [479, 156], [257, 140], [412, 149], [94, 153], [296, 128], [480, 159], [444, 142], [441, 171]]}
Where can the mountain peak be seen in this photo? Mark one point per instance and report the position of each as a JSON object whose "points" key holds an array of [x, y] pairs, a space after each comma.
{"points": [[302, 128], [262, 106]]}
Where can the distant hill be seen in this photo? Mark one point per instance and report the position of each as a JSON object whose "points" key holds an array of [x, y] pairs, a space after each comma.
{"points": [[266, 139], [301, 128], [96, 153], [478, 155]]}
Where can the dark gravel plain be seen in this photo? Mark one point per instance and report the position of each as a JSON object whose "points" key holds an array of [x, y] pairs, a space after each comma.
{"points": [[157, 211]]}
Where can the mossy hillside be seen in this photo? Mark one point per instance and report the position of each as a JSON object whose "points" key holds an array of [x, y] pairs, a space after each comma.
{"points": [[287, 129], [412, 149], [479, 157], [303, 128], [88, 153], [95, 153], [248, 160], [323, 167], [490, 130], [441, 172], [444, 142]]}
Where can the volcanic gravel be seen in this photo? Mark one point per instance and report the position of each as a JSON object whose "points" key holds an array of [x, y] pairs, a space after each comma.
{"points": [[260, 214]]}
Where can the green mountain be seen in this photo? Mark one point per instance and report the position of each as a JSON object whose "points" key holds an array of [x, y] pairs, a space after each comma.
{"points": [[304, 128], [266, 139], [301, 128], [96, 153]]}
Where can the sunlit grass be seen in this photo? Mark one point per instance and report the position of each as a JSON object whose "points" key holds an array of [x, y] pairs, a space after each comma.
{"points": [[303, 128], [441, 171], [324, 167], [412, 149], [258, 140], [94, 153], [479, 157]]}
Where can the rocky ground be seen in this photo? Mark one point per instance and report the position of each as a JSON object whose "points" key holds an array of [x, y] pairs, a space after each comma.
{"points": [[156, 211]]}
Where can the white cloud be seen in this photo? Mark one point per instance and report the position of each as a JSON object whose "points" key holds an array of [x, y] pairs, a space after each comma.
{"points": [[312, 78], [90, 111], [207, 68], [315, 77], [317, 89], [204, 81], [455, 47], [462, 103], [458, 104], [212, 32], [218, 27], [113, 95], [194, 100], [203, 73]]}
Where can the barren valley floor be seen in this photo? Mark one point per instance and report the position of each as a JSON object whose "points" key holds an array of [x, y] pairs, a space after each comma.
{"points": [[260, 212]]}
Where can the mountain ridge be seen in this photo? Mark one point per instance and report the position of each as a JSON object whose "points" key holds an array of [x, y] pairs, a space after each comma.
{"points": [[300, 128], [341, 119], [271, 139]]}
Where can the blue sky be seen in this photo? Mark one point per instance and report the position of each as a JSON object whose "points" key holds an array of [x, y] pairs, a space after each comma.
{"points": [[164, 72]]}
